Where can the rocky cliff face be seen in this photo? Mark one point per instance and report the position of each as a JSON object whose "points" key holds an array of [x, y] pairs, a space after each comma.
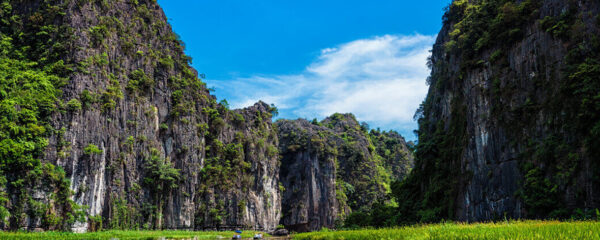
{"points": [[139, 136], [105, 124], [332, 167], [507, 129]]}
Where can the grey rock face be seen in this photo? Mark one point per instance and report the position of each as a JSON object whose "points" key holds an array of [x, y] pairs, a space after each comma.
{"points": [[163, 111], [501, 127], [143, 106], [330, 169], [308, 175]]}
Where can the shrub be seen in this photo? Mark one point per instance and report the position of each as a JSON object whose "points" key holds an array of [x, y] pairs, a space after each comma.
{"points": [[98, 34], [166, 63], [238, 118], [92, 149], [139, 81], [495, 56], [74, 105], [87, 99], [112, 94], [273, 110]]}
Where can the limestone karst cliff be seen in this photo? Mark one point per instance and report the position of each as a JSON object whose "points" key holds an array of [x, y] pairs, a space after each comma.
{"points": [[142, 142], [104, 124], [333, 167], [509, 128]]}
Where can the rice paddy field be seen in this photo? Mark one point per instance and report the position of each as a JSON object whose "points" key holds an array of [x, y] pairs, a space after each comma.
{"points": [[507, 230], [120, 235]]}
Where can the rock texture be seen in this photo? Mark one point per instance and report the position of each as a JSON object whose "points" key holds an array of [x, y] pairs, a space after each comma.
{"points": [[330, 168], [136, 141], [142, 100], [501, 129]]}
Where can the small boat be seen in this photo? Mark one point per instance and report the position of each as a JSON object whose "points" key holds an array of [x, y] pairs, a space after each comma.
{"points": [[258, 236], [238, 235]]}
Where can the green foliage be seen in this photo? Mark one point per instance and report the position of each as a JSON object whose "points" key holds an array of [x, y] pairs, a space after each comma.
{"points": [[473, 24], [112, 94], [560, 26], [32, 70], [139, 82], [87, 99], [215, 120], [160, 173], [95, 223], [316, 122], [124, 217], [273, 110], [392, 150], [495, 56], [27, 98], [238, 118], [100, 60], [160, 177], [381, 214], [272, 151], [74, 105], [166, 63], [91, 149], [98, 34]]}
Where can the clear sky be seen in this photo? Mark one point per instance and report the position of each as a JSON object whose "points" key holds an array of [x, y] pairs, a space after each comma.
{"points": [[313, 58]]}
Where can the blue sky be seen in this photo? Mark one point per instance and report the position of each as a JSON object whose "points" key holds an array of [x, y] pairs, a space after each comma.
{"points": [[314, 58]]}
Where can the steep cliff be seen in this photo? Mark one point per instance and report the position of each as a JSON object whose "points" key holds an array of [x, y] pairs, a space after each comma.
{"points": [[104, 124], [333, 167], [122, 124], [509, 127]]}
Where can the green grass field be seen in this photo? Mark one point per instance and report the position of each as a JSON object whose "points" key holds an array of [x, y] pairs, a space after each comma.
{"points": [[508, 230], [104, 235], [518, 230]]}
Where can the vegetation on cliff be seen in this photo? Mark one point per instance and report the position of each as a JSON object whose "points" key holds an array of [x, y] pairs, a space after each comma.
{"points": [[101, 107], [552, 129], [104, 124], [353, 165], [31, 75]]}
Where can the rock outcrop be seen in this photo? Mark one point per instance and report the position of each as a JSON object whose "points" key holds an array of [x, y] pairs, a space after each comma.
{"points": [[104, 123], [330, 168], [142, 109], [507, 129]]}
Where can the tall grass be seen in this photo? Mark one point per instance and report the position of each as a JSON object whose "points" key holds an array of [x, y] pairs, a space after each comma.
{"points": [[518, 230], [104, 235]]}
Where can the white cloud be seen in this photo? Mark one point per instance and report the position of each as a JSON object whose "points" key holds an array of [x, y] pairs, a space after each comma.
{"points": [[381, 80]]}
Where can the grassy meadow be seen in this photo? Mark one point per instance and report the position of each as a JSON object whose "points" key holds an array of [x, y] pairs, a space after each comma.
{"points": [[517, 230], [117, 234]]}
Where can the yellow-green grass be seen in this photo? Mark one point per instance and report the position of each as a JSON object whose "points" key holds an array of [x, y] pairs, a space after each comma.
{"points": [[518, 230], [103, 235]]}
